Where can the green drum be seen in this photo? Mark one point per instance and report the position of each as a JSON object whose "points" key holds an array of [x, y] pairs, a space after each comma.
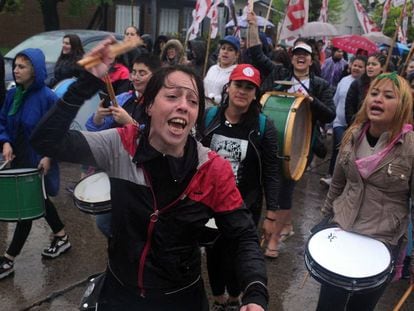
{"points": [[21, 195], [293, 120]]}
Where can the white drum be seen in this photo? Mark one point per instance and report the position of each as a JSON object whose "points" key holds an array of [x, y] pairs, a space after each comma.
{"points": [[92, 194], [347, 260]]}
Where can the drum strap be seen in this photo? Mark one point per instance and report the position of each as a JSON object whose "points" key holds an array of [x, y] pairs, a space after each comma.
{"points": [[211, 113]]}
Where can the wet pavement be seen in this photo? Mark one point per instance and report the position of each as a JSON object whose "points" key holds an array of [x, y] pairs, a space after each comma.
{"points": [[58, 284]]}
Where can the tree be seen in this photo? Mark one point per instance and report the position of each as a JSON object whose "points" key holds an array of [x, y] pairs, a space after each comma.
{"points": [[50, 10]]}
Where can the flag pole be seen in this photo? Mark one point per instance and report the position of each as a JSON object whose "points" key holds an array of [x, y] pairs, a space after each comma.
{"points": [[268, 10], [394, 39], [279, 31], [207, 51]]}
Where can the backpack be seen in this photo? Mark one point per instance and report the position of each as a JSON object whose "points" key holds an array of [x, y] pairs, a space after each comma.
{"points": [[211, 113]]}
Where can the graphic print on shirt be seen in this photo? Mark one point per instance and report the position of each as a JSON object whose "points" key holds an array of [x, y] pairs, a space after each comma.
{"points": [[232, 149]]}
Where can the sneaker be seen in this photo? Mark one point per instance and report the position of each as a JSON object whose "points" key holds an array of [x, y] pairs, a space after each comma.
{"points": [[232, 306], [6, 267], [58, 246], [326, 181], [218, 307]]}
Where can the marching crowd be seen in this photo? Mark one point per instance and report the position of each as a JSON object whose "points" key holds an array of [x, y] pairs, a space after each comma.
{"points": [[189, 142]]}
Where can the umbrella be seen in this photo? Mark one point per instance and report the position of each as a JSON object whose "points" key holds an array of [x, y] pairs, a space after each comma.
{"points": [[351, 44], [242, 22], [378, 37], [317, 29], [399, 48]]}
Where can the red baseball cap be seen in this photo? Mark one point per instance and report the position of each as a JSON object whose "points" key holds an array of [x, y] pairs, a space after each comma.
{"points": [[246, 72]]}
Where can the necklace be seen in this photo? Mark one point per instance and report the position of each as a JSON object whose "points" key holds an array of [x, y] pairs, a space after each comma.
{"points": [[228, 124]]}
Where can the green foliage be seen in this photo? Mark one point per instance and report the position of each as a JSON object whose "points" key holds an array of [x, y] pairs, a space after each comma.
{"points": [[77, 7], [12, 6]]}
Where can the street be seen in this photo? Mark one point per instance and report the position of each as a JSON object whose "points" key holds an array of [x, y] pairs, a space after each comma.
{"points": [[58, 284]]}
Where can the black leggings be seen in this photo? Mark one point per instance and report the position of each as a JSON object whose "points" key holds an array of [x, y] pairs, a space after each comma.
{"points": [[23, 228]]}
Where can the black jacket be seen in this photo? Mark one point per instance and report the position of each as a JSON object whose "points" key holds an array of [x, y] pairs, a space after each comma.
{"points": [[354, 98], [159, 205], [266, 150], [322, 107]]}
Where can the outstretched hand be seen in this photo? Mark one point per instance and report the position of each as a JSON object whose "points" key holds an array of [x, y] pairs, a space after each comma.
{"points": [[104, 55]]}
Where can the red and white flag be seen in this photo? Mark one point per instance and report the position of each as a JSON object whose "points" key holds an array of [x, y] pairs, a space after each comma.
{"points": [[398, 2], [367, 24], [323, 15], [296, 16], [402, 34], [385, 11], [213, 16], [200, 11]]}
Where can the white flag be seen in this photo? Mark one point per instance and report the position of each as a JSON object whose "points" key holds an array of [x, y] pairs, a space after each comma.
{"points": [[367, 24], [398, 2], [200, 11], [296, 16]]}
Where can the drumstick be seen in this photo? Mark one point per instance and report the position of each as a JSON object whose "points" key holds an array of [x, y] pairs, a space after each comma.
{"points": [[110, 89], [403, 298], [115, 50], [304, 280]]}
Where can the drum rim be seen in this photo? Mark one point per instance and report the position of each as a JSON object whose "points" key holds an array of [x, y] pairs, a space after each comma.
{"points": [[297, 173], [28, 172], [84, 178], [384, 273], [87, 210]]}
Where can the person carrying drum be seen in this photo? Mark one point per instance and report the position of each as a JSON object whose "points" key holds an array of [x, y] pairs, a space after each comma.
{"points": [[373, 180], [248, 140], [24, 106], [320, 95], [165, 186]]}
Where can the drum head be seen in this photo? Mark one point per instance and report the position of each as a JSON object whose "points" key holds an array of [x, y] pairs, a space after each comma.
{"points": [[93, 189], [348, 254]]}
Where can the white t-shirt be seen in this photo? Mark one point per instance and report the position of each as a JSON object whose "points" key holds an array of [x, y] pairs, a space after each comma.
{"points": [[214, 81]]}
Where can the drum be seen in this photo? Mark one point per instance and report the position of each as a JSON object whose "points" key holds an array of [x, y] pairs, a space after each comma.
{"points": [[347, 260], [86, 110], [21, 194], [92, 194], [293, 120]]}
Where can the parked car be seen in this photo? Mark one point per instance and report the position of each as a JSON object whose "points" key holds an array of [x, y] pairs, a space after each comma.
{"points": [[50, 43]]}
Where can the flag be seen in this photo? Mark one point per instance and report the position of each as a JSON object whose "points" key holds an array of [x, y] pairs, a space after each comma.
{"points": [[367, 24], [200, 11], [404, 26], [213, 16], [385, 11], [296, 16], [323, 15]]}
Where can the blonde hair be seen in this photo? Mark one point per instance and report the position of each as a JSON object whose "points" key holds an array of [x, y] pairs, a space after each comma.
{"points": [[403, 113]]}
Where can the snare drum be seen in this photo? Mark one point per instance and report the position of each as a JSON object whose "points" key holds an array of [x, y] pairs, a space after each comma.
{"points": [[21, 194], [92, 194], [86, 110], [347, 260], [293, 120]]}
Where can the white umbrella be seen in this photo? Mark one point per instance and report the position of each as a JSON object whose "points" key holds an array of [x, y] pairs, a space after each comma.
{"points": [[317, 29], [378, 37], [242, 22]]}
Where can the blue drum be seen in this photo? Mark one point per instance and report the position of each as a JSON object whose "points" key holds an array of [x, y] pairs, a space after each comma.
{"points": [[87, 109]]}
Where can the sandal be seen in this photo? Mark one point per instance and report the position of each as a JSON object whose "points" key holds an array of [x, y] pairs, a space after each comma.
{"points": [[271, 253], [285, 234]]}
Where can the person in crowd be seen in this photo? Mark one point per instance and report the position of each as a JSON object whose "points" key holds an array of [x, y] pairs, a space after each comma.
{"points": [[119, 76], [357, 67], [359, 88], [281, 57], [172, 53], [127, 59], [130, 110], [315, 67], [66, 65], [320, 97], [234, 132], [2, 81], [372, 185], [24, 106], [409, 69], [218, 75], [197, 56], [334, 66], [147, 43], [164, 188], [159, 44]]}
